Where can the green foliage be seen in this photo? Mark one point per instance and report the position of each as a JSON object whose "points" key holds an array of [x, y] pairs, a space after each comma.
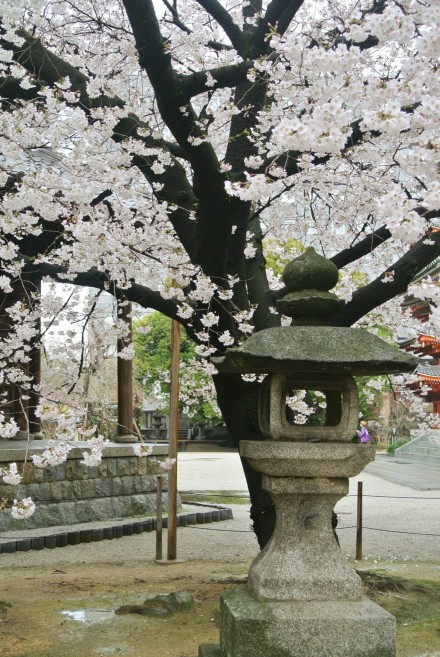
{"points": [[391, 448], [152, 351], [277, 260], [384, 332], [151, 339]]}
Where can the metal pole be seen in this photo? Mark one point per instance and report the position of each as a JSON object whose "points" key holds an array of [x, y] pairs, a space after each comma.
{"points": [[173, 439], [159, 518], [359, 523]]}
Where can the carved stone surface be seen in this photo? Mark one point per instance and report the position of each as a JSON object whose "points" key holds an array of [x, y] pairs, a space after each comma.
{"points": [[251, 628], [342, 407], [310, 271], [302, 560], [310, 306], [307, 349], [296, 459]]}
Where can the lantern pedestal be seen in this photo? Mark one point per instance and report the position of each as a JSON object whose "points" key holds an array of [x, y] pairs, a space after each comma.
{"points": [[302, 560], [302, 598], [255, 628]]}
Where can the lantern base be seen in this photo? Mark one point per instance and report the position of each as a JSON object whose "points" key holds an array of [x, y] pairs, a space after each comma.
{"points": [[253, 628]]}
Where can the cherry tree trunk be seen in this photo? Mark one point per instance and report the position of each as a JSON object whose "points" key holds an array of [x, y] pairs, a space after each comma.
{"points": [[238, 402]]}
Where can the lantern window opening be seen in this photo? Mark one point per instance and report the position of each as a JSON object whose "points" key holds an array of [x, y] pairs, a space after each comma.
{"points": [[313, 406], [306, 406]]}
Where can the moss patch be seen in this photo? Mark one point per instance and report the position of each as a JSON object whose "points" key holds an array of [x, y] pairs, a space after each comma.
{"points": [[416, 606]]}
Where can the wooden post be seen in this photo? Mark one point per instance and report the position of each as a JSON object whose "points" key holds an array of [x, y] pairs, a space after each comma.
{"points": [[35, 372], [359, 523], [173, 439], [159, 518], [124, 432], [26, 402]]}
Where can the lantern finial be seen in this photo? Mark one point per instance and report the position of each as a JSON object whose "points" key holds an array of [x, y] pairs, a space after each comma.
{"points": [[308, 280]]}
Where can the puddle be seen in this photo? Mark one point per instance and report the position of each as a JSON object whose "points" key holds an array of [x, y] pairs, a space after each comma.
{"points": [[89, 616]]}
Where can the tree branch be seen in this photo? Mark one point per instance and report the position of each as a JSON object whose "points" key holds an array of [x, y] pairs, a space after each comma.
{"points": [[156, 61], [213, 222], [257, 283], [223, 18], [372, 241], [46, 67], [50, 69], [393, 282], [279, 13], [215, 45], [224, 77], [361, 248], [11, 89], [136, 293]]}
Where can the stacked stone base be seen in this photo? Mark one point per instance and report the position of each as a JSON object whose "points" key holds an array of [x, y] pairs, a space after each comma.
{"points": [[254, 628]]}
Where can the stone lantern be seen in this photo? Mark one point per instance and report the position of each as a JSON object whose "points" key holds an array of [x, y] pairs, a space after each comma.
{"points": [[302, 599]]}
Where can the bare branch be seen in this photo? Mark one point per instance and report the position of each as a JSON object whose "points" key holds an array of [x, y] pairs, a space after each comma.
{"points": [[279, 14], [224, 77], [362, 248], [136, 293], [391, 283], [223, 18]]}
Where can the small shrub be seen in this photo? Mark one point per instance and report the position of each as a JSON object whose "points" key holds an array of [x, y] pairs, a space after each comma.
{"points": [[381, 447], [391, 448]]}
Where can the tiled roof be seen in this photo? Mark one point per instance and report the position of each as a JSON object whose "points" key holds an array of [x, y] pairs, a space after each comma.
{"points": [[428, 370]]}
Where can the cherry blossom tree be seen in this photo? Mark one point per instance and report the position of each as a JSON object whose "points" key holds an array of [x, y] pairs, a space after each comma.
{"points": [[143, 142]]}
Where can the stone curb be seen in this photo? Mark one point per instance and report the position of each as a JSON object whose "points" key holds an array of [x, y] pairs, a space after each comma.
{"points": [[75, 537]]}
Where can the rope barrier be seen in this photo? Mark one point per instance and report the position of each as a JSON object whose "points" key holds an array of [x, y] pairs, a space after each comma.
{"points": [[249, 531], [396, 497], [245, 496], [395, 531]]}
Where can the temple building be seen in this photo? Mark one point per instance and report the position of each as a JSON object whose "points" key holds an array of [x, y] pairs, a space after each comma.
{"points": [[427, 347], [425, 344]]}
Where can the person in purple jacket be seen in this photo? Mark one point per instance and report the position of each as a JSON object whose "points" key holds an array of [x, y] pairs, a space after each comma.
{"points": [[363, 433]]}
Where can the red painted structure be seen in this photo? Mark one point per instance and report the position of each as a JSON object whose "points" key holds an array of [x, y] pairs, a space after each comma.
{"points": [[428, 371]]}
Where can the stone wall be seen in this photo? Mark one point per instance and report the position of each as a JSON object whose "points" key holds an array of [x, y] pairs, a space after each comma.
{"points": [[122, 486]]}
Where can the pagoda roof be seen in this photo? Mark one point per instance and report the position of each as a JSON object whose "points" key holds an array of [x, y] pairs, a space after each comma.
{"points": [[428, 339], [431, 371]]}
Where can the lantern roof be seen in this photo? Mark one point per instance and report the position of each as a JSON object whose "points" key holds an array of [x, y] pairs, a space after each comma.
{"points": [[333, 349], [311, 344]]}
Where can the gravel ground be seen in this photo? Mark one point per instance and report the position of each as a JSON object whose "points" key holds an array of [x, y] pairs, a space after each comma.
{"points": [[408, 520]]}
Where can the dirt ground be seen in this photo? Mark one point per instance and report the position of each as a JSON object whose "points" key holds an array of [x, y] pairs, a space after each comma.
{"points": [[33, 599]]}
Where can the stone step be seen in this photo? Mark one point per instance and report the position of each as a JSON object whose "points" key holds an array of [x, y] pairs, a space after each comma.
{"points": [[422, 458], [417, 449]]}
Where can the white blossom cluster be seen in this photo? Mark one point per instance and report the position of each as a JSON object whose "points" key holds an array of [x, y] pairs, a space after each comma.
{"points": [[54, 454], [11, 476], [144, 449], [93, 456]]}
